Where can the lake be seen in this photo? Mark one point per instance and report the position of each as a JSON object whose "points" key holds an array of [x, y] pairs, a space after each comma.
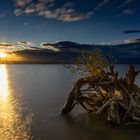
{"points": [[31, 97]]}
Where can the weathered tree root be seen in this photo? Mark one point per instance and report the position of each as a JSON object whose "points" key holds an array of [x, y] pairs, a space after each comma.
{"points": [[118, 98]]}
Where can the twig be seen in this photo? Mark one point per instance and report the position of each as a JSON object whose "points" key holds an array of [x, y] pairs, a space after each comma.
{"points": [[136, 118], [103, 106], [130, 106]]}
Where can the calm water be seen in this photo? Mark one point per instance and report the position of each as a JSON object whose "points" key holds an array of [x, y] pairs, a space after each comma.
{"points": [[31, 97]]}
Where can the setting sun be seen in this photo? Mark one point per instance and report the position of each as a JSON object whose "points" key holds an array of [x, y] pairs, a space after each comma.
{"points": [[3, 55]]}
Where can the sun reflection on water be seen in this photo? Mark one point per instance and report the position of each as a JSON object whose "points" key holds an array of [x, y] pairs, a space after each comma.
{"points": [[13, 126], [3, 82]]}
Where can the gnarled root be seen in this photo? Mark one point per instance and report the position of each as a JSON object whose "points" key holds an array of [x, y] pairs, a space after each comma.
{"points": [[117, 98]]}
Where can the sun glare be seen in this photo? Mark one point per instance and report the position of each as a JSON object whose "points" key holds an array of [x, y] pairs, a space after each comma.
{"points": [[3, 55]]}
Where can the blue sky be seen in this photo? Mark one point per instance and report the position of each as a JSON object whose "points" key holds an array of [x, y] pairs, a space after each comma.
{"points": [[83, 21]]}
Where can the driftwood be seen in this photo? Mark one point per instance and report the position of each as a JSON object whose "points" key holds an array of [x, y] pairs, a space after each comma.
{"points": [[118, 98]]}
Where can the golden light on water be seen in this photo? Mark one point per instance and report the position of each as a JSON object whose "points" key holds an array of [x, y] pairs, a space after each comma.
{"points": [[3, 82], [13, 126]]}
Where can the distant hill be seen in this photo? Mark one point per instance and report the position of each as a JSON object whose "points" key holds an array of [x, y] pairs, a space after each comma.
{"points": [[66, 52]]}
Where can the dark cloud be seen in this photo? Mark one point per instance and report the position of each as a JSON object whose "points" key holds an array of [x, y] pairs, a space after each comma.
{"points": [[49, 47], [101, 4], [127, 11], [127, 8], [24, 43], [125, 3], [131, 31]]}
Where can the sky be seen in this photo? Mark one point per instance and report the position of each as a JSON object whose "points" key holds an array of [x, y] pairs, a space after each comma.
{"points": [[84, 21]]}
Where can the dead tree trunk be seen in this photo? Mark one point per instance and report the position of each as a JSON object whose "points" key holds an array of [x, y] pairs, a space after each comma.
{"points": [[75, 92], [108, 94]]}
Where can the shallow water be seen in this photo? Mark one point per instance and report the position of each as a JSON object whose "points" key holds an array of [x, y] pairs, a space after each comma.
{"points": [[31, 97]]}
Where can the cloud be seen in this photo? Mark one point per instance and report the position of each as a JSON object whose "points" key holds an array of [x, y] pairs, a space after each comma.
{"points": [[71, 17], [22, 3], [26, 23], [24, 47], [7, 47], [4, 46], [127, 11], [49, 10], [30, 9], [25, 43], [130, 40], [49, 47], [127, 2], [18, 12], [2, 15], [101, 4], [131, 31], [126, 41]]}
